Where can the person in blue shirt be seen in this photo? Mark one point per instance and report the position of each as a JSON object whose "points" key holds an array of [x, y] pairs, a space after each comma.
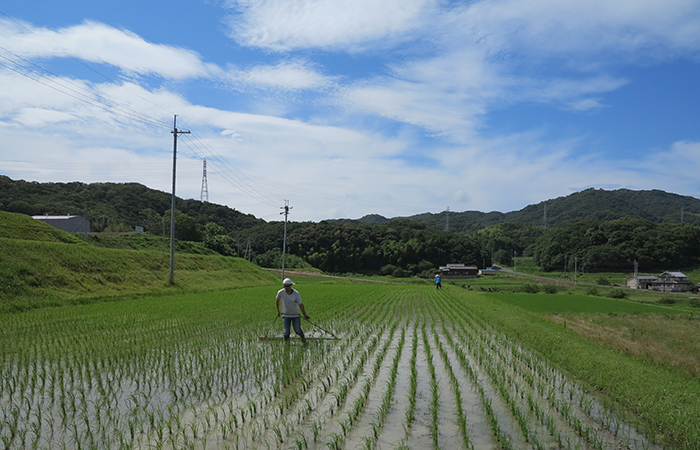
{"points": [[438, 281]]}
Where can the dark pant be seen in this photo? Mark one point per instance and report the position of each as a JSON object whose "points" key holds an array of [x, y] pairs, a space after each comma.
{"points": [[296, 321]]}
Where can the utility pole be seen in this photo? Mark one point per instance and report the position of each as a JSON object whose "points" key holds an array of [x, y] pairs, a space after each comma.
{"points": [[285, 211], [204, 196], [447, 219], [175, 132]]}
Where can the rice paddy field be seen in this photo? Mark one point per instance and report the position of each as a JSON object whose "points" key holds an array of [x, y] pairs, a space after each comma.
{"points": [[414, 368]]}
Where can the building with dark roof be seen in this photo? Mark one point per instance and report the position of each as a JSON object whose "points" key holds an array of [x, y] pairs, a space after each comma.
{"points": [[71, 224]]}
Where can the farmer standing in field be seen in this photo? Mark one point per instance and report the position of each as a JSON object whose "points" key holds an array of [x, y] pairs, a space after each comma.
{"points": [[438, 281], [288, 305]]}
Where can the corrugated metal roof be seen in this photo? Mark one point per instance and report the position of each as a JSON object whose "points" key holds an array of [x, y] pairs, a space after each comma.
{"points": [[53, 217]]}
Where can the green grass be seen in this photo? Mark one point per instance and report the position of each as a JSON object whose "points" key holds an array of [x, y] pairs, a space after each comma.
{"points": [[576, 303], [528, 266], [664, 398], [144, 241], [34, 274], [21, 226]]}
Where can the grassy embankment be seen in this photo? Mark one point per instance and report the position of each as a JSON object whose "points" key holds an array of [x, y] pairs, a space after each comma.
{"points": [[41, 266], [527, 265]]}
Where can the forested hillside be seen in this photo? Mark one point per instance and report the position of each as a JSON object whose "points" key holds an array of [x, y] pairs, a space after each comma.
{"points": [[116, 206], [603, 230], [614, 245], [656, 206]]}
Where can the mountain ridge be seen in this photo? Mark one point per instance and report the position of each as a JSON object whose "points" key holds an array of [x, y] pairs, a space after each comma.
{"points": [[125, 205], [654, 205]]}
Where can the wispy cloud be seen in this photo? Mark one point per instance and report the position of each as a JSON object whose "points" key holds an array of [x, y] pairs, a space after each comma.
{"points": [[293, 75], [284, 25], [571, 29], [100, 43]]}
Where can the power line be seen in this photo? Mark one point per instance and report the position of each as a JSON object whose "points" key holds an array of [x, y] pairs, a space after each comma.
{"points": [[264, 191], [73, 90]]}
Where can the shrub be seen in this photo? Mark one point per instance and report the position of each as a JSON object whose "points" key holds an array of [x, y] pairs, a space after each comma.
{"points": [[400, 273], [617, 293], [695, 303], [387, 270], [591, 290], [531, 288], [666, 300], [550, 289], [603, 281]]}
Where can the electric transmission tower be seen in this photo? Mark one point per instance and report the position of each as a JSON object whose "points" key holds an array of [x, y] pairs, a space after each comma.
{"points": [[205, 189], [544, 219], [447, 219]]}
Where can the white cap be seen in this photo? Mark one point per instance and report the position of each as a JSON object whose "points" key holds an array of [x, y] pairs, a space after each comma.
{"points": [[287, 281]]}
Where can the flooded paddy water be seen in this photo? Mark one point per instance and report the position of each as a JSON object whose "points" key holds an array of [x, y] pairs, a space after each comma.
{"points": [[413, 370]]}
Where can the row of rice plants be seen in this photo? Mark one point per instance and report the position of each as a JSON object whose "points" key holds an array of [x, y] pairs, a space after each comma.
{"points": [[527, 398], [178, 373], [327, 391]]}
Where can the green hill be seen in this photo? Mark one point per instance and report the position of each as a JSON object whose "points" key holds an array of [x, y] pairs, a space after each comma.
{"points": [[654, 205], [20, 226], [113, 206], [42, 266]]}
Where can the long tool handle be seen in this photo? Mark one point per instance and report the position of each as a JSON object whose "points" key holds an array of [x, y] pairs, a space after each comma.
{"points": [[325, 331], [270, 329]]}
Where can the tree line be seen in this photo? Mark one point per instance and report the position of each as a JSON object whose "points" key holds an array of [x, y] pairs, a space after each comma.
{"points": [[402, 246], [615, 245]]}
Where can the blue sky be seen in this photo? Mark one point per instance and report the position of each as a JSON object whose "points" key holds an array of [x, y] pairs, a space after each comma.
{"points": [[347, 108]]}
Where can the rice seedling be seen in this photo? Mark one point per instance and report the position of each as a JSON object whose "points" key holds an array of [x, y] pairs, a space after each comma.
{"points": [[134, 374]]}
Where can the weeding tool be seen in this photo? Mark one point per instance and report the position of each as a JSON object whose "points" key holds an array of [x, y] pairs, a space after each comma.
{"points": [[325, 331], [273, 322]]}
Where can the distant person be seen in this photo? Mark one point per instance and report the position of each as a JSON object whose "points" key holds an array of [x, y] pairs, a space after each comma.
{"points": [[438, 281], [288, 305]]}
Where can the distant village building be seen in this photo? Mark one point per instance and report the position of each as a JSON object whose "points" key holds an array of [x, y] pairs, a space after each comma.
{"points": [[71, 224], [640, 281], [458, 271], [666, 282], [488, 271], [672, 282]]}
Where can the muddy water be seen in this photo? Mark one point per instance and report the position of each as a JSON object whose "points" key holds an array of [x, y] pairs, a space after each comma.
{"points": [[420, 430], [478, 428], [449, 434]]}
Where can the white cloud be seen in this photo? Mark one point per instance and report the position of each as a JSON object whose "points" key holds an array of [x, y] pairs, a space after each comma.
{"points": [[37, 117], [585, 27], [681, 161], [292, 24], [287, 75], [99, 43], [472, 59]]}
